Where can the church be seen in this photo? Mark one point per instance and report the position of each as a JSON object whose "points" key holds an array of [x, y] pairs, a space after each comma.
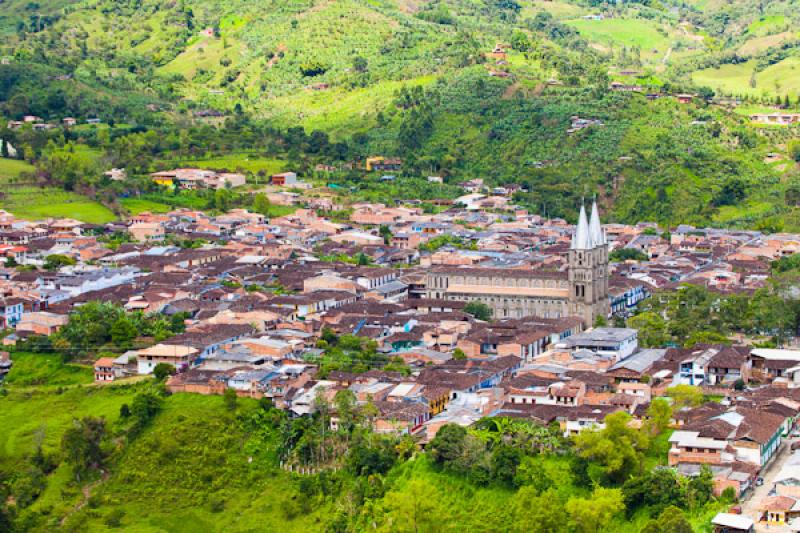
{"points": [[581, 290]]}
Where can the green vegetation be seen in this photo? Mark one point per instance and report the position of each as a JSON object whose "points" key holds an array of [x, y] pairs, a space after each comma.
{"points": [[139, 205], [35, 203], [11, 170], [46, 370], [208, 84], [696, 315], [189, 461], [628, 254], [638, 33], [479, 310]]}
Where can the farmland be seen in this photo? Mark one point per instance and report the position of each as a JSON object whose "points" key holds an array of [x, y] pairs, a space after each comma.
{"points": [[36, 203], [740, 79], [11, 169]]}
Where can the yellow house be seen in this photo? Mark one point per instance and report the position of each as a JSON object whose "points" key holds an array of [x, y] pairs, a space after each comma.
{"points": [[165, 182], [372, 160]]}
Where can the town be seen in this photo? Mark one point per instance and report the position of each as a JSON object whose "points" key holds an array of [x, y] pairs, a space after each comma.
{"points": [[481, 310]]}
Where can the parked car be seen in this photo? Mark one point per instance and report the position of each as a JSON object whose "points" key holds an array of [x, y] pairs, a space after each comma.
{"points": [[759, 481]]}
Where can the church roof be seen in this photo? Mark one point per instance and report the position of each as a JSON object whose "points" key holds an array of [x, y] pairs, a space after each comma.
{"points": [[596, 235], [589, 233], [580, 241]]}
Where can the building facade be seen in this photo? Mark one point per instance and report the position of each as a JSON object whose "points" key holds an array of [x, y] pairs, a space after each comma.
{"points": [[581, 291]]}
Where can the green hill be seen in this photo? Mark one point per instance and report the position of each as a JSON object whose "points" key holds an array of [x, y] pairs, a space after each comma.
{"points": [[419, 80]]}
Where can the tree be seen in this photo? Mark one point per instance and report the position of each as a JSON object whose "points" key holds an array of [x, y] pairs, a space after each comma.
{"points": [[386, 233], [706, 337], [163, 370], [651, 327], [615, 451], [520, 41], [145, 407], [124, 411], [81, 444], [360, 64], [700, 488], [261, 204], [479, 310], [345, 404], [505, 460], [538, 513], [448, 445], [587, 515], [416, 508], [659, 416], [628, 254], [685, 396], [459, 355], [671, 520], [793, 149], [656, 489], [56, 261], [123, 331], [230, 399]]}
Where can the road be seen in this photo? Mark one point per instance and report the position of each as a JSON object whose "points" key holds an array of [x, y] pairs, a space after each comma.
{"points": [[750, 506]]}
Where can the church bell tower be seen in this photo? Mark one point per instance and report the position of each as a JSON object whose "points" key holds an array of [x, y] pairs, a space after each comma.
{"points": [[588, 269]]}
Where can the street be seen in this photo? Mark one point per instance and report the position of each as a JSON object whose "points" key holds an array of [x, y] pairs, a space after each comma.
{"points": [[750, 506]]}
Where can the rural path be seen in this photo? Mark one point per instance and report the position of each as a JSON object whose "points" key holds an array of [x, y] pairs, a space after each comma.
{"points": [[87, 492]]}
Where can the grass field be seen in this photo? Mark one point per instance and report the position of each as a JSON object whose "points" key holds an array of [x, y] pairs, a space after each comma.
{"points": [[559, 10], [10, 169], [248, 163], [195, 450], [759, 44], [193, 455], [46, 370], [61, 393], [628, 32], [781, 78], [138, 205], [35, 203], [767, 24]]}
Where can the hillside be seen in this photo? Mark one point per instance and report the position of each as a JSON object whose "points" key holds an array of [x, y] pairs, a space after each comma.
{"points": [[421, 80], [201, 463]]}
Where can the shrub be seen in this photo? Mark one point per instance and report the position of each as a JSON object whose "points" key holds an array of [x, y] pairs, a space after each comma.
{"points": [[114, 518]]}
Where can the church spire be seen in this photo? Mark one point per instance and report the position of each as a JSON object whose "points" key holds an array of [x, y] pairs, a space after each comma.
{"points": [[580, 240], [596, 235]]}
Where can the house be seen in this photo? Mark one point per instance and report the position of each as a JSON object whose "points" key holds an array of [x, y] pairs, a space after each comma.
{"points": [[41, 322], [116, 174], [778, 510], [11, 312], [104, 369], [380, 163], [147, 231], [179, 357], [613, 343], [732, 523], [194, 178], [356, 237], [721, 436], [285, 179], [779, 119]]}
